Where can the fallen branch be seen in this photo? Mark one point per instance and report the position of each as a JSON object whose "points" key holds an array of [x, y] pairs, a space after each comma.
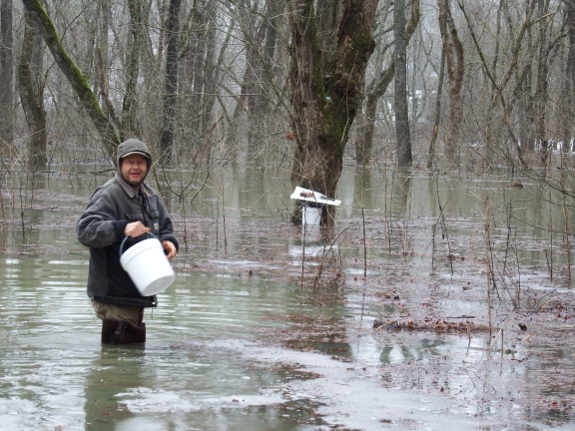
{"points": [[437, 326]]}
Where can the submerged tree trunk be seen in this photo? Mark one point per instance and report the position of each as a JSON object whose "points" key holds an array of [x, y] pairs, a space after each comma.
{"points": [[32, 94], [74, 75], [6, 78], [326, 90], [455, 67], [170, 82], [400, 106]]}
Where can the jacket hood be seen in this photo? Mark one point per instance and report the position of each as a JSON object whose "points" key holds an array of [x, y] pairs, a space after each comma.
{"points": [[132, 146]]}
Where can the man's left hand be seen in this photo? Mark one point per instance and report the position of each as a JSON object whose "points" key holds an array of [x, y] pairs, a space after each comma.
{"points": [[170, 248]]}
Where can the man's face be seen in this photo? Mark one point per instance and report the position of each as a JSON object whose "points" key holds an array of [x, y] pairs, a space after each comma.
{"points": [[134, 169]]}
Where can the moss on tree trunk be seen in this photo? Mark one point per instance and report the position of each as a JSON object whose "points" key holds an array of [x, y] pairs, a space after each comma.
{"points": [[74, 75]]}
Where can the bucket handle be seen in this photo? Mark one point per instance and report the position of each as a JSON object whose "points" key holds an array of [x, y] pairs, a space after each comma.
{"points": [[126, 238]]}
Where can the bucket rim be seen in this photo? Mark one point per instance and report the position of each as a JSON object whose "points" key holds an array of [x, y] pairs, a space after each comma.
{"points": [[128, 236], [138, 248]]}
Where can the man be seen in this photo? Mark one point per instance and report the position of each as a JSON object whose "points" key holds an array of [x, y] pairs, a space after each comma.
{"points": [[124, 206]]}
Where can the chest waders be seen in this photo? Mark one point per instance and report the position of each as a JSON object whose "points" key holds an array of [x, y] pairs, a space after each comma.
{"points": [[123, 332]]}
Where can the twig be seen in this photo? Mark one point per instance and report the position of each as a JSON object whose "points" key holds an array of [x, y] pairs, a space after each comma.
{"points": [[547, 302], [383, 326], [364, 244], [528, 337], [494, 341], [314, 300]]}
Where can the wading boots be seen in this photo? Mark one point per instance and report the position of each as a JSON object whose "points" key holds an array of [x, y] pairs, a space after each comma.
{"points": [[123, 332]]}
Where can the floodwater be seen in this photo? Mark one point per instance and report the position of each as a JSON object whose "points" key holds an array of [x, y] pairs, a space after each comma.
{"points": [[243, 340]]}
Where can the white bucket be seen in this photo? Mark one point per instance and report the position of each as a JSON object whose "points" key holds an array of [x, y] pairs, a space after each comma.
{"points": [[148, 266], [311, 216]]}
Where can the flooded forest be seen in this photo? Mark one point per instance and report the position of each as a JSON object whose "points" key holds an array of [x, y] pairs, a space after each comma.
{"points": [[432, 290]]}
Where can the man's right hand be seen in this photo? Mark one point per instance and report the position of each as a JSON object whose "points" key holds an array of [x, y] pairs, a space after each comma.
{"points": [[135, 229]]}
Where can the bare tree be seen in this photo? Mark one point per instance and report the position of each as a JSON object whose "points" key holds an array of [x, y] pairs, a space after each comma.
{"points": [[569, 81], [202, 74], [220, 72], [170, 81], [259, 29], [31, 89], [377, 88], [401, 109], [326, 88], [500, 84], [6, 77], [129, 106], [453, 49], [546, 43], [74, 75]]}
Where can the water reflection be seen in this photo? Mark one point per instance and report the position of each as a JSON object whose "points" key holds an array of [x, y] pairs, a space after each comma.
{"points": [[113, 372], [54, 372]]}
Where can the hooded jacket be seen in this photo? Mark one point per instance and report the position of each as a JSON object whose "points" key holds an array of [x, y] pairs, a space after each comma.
{"points": [[101, 228]]}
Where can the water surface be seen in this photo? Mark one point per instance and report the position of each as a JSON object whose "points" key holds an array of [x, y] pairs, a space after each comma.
{"points": [[217, 354]]}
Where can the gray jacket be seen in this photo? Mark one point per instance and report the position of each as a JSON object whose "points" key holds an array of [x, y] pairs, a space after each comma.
{"points": [[101, 228]]}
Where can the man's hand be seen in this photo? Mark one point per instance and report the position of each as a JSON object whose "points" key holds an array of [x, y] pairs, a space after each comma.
{"points": [[135, 229], [170, 248]]}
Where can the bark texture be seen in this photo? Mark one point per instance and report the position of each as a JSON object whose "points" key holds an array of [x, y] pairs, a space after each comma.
{"points": [[326, 90], [400, 106], [31, 96], [74, 75], [130, 105], [170, 82], [453, 49], [6, 78]]}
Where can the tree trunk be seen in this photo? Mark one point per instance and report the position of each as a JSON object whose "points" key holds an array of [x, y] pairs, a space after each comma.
{"points": [[171, 82], [259, 33], [364, 147], [437, 113], [6, 78], [500, 86], [200, 21], [376, 90], [251, 102], [524, 93], [200, 68], [74, 75], [325, 98], [542, 91], [400, 105], [453, 49], [569, 93], [32, 94], [129, 106], [101, 45]]}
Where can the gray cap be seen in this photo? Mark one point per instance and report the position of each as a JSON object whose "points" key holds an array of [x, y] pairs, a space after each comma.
{"points": [[132, 146]]}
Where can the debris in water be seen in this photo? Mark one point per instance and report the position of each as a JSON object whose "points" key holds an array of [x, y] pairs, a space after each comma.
{"points": [[438, 326]]}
